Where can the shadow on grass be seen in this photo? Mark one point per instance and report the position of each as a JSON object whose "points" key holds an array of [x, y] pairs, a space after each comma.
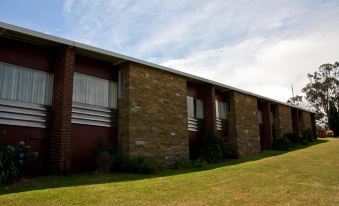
{"points": [[50, 182]]}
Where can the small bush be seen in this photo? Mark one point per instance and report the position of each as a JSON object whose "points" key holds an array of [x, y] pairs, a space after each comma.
{"points": [[199, 163], [13, 159], [307, 134], [211, 149], [105, 154], [143, 165], [8, 168], [294, 138], [282, 143], [183, 164]]}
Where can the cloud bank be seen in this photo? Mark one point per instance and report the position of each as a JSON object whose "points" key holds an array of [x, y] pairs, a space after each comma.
{"points": [[259, 46]]}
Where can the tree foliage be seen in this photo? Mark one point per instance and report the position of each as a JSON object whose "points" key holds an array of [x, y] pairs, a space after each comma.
{"points": [[322, 91], [295, 100]]}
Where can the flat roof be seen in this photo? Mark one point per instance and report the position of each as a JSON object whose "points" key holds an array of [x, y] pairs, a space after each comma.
{"points": [[5, 28]]}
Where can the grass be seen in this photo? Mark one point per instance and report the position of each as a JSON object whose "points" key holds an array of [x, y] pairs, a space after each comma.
{"points": [[304, 176]]}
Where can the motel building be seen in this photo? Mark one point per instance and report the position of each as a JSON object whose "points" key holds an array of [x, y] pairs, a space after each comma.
{"points": [[63, 97]]}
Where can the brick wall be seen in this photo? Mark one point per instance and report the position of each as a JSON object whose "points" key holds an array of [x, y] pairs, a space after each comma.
{"points": [[283, 120], [209, 110], [243, 124], [153, 115], [62, 108]]}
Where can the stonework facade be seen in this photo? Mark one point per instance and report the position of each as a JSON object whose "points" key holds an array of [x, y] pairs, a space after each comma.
{"points": [[307, 120], [283, 120], [153, 115], [243, 124]]}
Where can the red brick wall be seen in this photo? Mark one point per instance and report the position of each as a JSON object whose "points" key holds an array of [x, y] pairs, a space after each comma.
{"points": [[60, 144], [209, 110]]}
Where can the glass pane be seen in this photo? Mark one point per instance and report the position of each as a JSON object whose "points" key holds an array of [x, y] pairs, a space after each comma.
{"points": [[217, 109], [199, 109], [95, 91], [25, 85], [190, 107]]}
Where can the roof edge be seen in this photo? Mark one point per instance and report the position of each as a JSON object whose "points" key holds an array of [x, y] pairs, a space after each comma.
{"points": [[64, 41]]}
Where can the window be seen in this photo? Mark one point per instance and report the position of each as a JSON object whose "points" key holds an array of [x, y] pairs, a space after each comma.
{"points": [[272, 117], [195, 108], [260, 117], [221, 109], [121, 83], [25, 85], [94, 91]]}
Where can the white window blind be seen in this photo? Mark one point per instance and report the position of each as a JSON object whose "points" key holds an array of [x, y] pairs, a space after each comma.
{"points": [[199, 109], [190, 107], [94, 91], [25, 85], [221, 109]]}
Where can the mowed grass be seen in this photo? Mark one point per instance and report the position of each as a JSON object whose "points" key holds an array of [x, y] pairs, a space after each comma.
{"points": [[305, 176]]}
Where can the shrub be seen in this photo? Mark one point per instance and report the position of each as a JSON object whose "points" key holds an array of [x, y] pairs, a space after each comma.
{"points": [[144, 165], [188, 164], [8, 167], [105, 154], [307, 134], [282, 143], [183, 164], [293, 137], [211, 149], [13, 159], [199, 163]]}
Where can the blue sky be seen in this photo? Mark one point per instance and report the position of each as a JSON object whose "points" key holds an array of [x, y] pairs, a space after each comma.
{"points": [[259, 46]]}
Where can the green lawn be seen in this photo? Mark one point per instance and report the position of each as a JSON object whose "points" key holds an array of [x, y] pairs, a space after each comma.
{"points": [[305, 176]]}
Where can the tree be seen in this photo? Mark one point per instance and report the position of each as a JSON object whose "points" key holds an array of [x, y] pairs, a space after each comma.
{"points": [[295, 100], [323, 91], [334, 119]]}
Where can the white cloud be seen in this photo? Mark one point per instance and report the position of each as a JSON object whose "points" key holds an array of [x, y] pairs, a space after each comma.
{"points": [[68, 5], [260, 46], [264, 66]]}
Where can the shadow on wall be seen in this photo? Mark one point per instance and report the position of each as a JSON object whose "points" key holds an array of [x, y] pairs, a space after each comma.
{"points": [[49, 182]]}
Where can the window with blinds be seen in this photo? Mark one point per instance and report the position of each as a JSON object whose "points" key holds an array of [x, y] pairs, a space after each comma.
{"points": [[94, 91], [94, 101], [25, 85], [195, 108], [25, 96], [195, 112], [221, 109]]}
